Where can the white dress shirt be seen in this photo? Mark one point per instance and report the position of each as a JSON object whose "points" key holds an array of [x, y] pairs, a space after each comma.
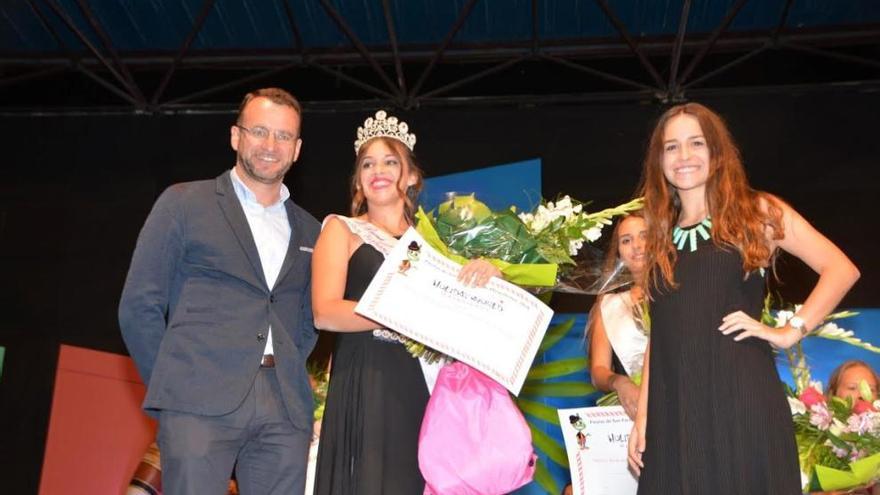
{"points": [[271, 231]]}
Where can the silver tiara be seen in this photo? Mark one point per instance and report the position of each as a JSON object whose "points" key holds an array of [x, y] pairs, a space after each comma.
{"points": [[383, 125]]}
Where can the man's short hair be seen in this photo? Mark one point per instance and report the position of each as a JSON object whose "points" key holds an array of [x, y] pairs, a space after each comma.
{"points": [[276, 95]]}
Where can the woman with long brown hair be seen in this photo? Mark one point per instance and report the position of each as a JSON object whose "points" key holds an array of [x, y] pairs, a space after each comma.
{"points": [[712, 415], [378, 392], [616, 331]]}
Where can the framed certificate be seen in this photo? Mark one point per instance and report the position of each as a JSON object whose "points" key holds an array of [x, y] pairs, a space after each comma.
{"points": [[596, 441], [497, 329]]}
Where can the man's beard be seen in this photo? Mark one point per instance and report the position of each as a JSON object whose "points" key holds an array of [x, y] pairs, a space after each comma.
{"points": [[252, 172]]}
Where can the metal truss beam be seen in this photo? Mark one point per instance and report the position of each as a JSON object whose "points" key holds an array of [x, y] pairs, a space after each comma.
{"points": [[353, 81], [197, 26], [601, 74], [108, 45], [731, 15], [395, 52], [85, 41], [621, 29], [729, 65], [843, 57], [438, 54], [673, 87], [233, 83], [572, 49], [72, 61], [469, 79], [535, 31], [107, 85], [783, 18], [294, 27], [37, 74], [358, 45], [871, 85]]}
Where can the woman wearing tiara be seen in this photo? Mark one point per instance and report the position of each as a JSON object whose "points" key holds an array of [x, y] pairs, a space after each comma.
{"points": [[378, 391]]}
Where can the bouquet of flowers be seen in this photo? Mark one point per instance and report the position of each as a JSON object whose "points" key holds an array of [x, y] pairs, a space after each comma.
{"points": [[838, 439], [534, 249]]}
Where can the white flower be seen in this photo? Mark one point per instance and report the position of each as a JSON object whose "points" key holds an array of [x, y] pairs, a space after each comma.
{"points": [[782, 317], [797, 407], [837, 427], [832, 330], [574, 246], [593, 233], [564, 203]]}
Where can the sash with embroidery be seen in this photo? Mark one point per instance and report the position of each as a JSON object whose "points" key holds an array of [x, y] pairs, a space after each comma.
{"points": [[624, 335], [384, 242]]}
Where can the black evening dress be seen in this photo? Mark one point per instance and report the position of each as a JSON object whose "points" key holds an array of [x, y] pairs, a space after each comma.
{"points": [[718, 419], [375, 404]]}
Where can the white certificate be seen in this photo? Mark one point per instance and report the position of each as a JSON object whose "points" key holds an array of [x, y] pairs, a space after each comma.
{"points": [[595, 440], [497, 329]]}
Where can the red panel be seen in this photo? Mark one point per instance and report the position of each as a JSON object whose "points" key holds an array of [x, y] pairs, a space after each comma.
{"points": [[97, 430]]}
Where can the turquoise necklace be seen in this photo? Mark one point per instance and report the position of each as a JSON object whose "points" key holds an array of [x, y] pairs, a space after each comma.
{"points": [[688, 236]]}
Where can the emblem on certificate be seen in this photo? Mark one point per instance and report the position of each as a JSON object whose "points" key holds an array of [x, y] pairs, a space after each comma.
{"points": [[497, 329]]}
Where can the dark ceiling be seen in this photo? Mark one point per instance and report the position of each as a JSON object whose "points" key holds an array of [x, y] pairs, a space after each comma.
{"points": [[147, 56]]}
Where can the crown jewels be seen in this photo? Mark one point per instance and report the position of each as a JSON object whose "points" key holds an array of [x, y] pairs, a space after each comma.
{"points": [[383, 125]]}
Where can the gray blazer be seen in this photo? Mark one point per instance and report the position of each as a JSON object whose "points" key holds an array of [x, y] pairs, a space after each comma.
{"points": [[195, 310]]}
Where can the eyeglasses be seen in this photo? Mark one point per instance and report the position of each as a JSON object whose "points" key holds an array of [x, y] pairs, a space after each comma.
{"points": [[260, 133]]}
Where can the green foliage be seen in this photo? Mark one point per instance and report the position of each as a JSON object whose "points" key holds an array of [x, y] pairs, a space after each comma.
{"points": [[555, 369]]}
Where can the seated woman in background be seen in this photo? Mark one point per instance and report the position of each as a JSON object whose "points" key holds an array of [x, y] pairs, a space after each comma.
{"points": [[845, 382], [845, 379]]}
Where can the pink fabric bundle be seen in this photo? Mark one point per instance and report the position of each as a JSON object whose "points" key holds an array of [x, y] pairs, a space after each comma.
{"points": [[474, 440]]}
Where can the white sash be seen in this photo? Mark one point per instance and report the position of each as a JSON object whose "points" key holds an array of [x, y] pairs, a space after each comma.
{"points": [[627, 340], [383, 242]]}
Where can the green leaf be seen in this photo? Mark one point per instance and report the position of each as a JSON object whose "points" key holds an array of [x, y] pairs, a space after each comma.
{"points": [[557, 389], [555, 334], [538, 410], [545, 480], [543, 442], [555, 369], [545, 296]]}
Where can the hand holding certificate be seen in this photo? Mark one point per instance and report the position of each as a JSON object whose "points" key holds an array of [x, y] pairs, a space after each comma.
{"points": [[497, 329]]}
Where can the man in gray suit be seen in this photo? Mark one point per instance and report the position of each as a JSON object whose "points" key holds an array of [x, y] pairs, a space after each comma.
{"points": [[216, 312]]}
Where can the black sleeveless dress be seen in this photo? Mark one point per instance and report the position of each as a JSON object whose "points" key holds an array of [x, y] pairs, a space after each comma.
{"points": [[718, 419], [375, 403]]}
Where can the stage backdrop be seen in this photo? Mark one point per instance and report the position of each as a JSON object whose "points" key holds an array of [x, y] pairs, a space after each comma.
{"points": [[560, 375]]}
